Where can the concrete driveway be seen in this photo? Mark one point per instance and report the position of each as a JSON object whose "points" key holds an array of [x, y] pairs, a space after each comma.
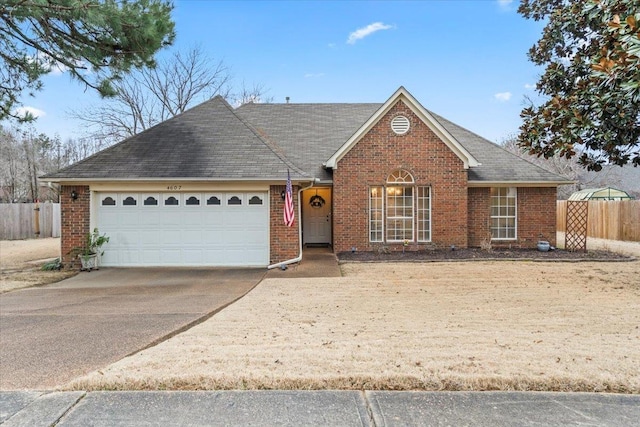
{"points": [[52, 334]]}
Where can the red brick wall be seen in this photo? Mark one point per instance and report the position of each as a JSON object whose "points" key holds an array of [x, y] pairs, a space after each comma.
{"points": [[370, 162], [536, 217], [284, 240], [479, 210], [74, 222]]}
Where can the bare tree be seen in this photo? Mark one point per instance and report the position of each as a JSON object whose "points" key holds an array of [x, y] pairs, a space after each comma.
{"points": [[567, 168], [10, 165], [246, 94], [73, 150], [153, 95]]}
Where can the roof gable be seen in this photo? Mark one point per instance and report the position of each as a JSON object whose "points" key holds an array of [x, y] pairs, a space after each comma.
{"points": [[404, 96]]}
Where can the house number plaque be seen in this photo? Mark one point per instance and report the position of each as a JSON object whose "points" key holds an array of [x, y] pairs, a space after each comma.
{"points": [[174, 187]]}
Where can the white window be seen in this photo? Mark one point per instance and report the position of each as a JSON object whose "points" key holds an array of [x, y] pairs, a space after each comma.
{"points": [[503, 213], [399, 210], [375, 214], [424, 214]]}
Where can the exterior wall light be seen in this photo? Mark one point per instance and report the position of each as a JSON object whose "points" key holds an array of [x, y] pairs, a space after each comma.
{"points": [[74, 195]]}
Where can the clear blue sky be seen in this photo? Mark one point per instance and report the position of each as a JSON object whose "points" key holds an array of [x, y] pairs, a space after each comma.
{"points": [[465, 60]]}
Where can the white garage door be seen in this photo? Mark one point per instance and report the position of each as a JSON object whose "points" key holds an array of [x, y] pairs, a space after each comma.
{"points": [[184, 229]]}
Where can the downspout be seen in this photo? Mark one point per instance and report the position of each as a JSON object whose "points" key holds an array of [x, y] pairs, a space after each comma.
{"points": [[299, 257]]}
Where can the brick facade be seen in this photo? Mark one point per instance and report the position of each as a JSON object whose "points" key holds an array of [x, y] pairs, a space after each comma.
{"points": [[536, 217], [74, 222], [379, 153], [284, 241], [479, 210]]}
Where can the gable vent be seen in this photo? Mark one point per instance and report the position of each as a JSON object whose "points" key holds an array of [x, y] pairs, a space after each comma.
{"points": [[400, 125]]}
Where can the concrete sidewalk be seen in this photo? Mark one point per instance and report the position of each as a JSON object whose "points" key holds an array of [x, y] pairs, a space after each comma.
{"points": [[317, 408]]}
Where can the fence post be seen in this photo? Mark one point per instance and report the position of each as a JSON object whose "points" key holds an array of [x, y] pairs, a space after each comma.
{"points": [[36, 221]]}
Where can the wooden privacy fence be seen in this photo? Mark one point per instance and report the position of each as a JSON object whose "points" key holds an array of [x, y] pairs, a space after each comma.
{"points": [[17, 220], [613, 220]]}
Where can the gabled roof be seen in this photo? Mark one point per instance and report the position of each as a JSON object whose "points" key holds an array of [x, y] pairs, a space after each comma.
{"points": [[207, 142], [260, 142], [403, 95]]}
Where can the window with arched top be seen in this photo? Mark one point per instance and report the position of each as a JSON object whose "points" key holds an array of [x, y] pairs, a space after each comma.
{"points": [[400, 176], [109, 201], [129, 201], [255, 200], [192, 201], [234, 200], [150, 201], [171, 201], [213, 200], [400, 211]]}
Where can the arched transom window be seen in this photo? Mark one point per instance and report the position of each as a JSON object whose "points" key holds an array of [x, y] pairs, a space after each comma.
{"points": [[400, 177], [400, 211]]}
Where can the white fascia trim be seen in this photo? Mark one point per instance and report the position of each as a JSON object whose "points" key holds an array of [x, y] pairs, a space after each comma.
{"points": [[421, 112], [517, 183], [75, 181]]}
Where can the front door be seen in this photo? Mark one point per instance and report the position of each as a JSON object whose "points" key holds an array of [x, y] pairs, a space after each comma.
{"points": [[316, 216]]}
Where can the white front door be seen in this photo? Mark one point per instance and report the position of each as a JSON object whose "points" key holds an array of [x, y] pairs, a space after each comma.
{"points": [[184, 229], [316, 216]]}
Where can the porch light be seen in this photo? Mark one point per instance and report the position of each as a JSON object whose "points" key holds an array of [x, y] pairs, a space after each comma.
{"points": [[74, 195]]}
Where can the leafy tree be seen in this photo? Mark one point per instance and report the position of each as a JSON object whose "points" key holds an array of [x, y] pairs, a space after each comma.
{"points": [[96, 41], [591, 50]]}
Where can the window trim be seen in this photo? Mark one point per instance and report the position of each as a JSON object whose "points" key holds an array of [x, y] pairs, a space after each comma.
{"points": [[403, 218], [371, 220], [399, 179], [514, 216], [418, 210]]}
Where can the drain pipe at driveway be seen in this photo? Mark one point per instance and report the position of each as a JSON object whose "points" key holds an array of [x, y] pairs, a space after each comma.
{"points": [[299, 257]]}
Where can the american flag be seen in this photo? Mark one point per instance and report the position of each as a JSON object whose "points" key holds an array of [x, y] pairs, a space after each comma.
{"points": [[289, 215]]}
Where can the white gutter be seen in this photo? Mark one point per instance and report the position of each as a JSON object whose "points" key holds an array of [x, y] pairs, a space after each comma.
{"points": [[299, 257]]}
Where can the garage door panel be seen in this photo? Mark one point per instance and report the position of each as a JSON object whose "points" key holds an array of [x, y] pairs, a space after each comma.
{"points": [[128, 257], [151, 256], [197, 234], [151, 217], [192, 237], [150, 238]]}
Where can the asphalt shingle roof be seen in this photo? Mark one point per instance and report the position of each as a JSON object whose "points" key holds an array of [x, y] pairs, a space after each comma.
{"points": [[263, 141], [311, 133], [208, 141], [308, 133], [497, 164]]}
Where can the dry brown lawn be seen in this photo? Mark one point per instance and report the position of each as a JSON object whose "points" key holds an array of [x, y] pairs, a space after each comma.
{"points": [[457, 326], [20, 262]]}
